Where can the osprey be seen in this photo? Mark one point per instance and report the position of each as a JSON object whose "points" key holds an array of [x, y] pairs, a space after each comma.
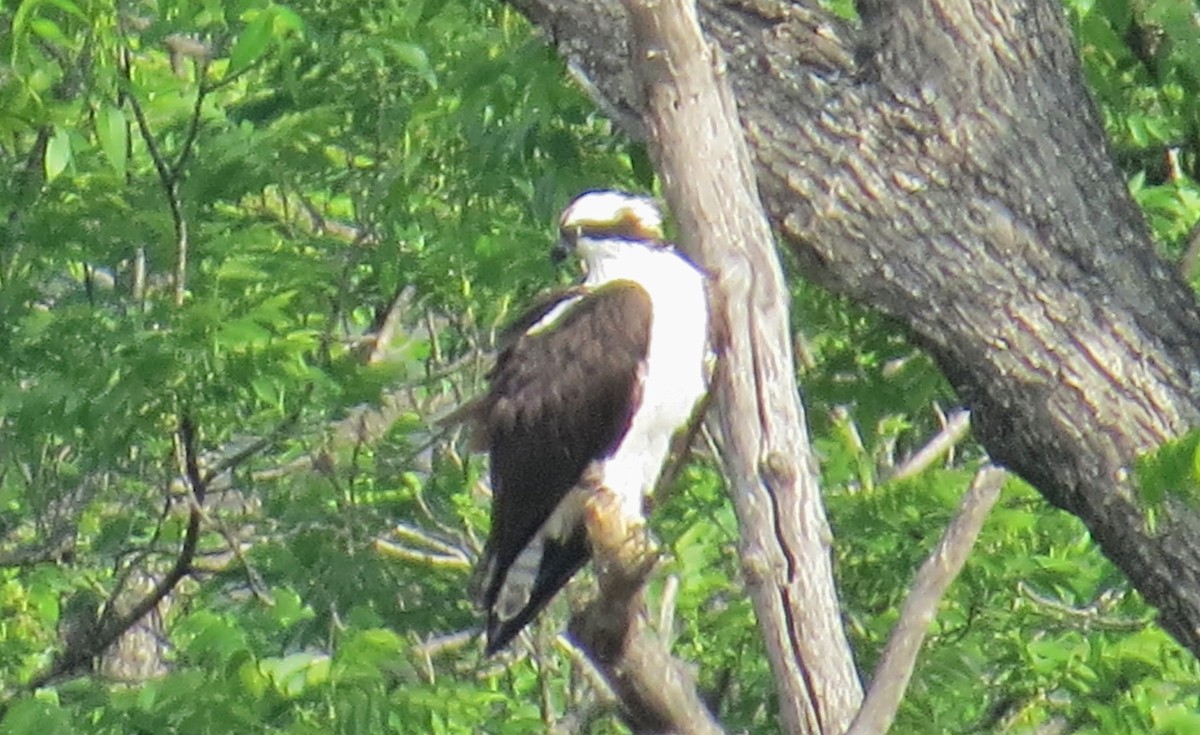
{"points": [[588, 393]]}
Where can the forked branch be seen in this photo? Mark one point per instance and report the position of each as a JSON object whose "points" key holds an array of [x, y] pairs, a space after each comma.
{"points": [[110, 627]]}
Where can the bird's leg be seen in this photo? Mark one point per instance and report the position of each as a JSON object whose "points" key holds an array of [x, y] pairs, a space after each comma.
{"points": [[623, 555], [621, 547]]}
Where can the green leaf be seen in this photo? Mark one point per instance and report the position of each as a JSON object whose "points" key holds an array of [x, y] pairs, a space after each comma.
{"points": [[68, 7], [252, 43], [292, 674], [210, 639], [49, 31], [1172, 470], [241, 333], [34, 717], [58, 153], [113, 133], [253, 679], [414, 57], [287, 20]]}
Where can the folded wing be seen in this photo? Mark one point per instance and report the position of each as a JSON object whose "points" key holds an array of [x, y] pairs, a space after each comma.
{"points": [[561, 397]]}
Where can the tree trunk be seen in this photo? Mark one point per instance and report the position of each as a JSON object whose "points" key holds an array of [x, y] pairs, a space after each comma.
{"points": [[946, 166], [702, 157]]}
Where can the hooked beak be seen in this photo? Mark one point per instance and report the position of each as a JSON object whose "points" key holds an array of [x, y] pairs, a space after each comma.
{"points": [[563, 247]]}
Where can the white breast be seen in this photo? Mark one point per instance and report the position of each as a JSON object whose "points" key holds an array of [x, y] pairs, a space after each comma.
{"points": [[675, 369]]}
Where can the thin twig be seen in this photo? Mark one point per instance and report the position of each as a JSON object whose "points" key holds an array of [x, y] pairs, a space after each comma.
{"points": [[681, 445], [166, 177], [378, 342], [545, 672], [952, 432], [403, 531], [1089, 617], [108, 631], [446, 643], [405, 553], [587, 668], [939, 570], [666, 609], [185, 151], [138, 555], [253, 578], [593, 697], [231, 461]]}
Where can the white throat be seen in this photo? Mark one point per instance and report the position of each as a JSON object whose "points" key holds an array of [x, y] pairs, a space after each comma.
{"points": [[615, 259]]}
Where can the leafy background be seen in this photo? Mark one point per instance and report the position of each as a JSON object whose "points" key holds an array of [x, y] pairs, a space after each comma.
{"points": [[364, 193]]}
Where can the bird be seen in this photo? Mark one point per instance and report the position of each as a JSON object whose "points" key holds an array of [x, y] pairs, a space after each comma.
{"points": [[587, 392]]}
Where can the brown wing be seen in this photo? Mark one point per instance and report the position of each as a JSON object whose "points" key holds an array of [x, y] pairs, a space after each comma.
{"points": [[474, 412], [559, 399], [541, 306]]}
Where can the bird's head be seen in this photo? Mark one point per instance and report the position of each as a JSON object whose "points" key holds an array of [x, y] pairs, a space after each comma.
{"points": [[598, 219]]}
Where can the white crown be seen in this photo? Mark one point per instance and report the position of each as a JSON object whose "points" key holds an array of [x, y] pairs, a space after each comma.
{"points": [[603, 207]]}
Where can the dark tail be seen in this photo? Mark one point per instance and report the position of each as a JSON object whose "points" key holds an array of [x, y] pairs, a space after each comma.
{"points": [[559, 564]]}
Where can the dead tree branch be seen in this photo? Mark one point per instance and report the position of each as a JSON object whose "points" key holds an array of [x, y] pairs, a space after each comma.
{"points": [[657, 692], [939, 570], [955, 430]]}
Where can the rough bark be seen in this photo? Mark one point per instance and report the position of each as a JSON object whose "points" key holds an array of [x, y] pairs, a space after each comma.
{"points": [[700, 151], [946, 165]]}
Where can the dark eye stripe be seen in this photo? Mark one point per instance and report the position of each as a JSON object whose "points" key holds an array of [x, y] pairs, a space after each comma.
{"points": [[627, 227]]}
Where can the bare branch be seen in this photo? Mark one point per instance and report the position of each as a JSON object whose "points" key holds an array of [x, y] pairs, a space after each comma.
{"points": [[167, 178], [657, 691], [681, 446], [409, 533], [696, 137], [110, 628], [953, 432], [185, 151], [417, 556], [236, 548], [1089, 617], [437, 645], [376, 345], [666, 608], [939, 570]]}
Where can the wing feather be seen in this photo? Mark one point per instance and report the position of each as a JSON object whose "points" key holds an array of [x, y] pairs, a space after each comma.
{"points": [[560, 397]]}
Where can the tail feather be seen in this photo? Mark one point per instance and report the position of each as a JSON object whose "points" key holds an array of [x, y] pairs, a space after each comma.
{"points": [[516, 595]]}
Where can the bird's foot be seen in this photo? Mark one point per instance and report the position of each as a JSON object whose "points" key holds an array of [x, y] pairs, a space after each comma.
{"points": [[621, 546]]}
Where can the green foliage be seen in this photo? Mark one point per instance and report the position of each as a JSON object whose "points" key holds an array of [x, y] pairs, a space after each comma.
{"points": [[332, 171], [216, 206], [1142, 61], [1171, 471], [1038, 627]]}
